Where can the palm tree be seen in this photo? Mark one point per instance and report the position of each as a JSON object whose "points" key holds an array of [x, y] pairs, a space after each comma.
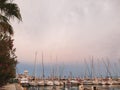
{"points": [[5, 27], [8, 11]]}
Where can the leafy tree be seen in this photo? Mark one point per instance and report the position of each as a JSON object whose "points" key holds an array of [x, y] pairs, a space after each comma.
{"points": [[8, 59]]}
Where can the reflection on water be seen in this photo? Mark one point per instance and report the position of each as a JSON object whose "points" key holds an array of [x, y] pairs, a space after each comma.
{"points": [[47, 88], [74, 88]]}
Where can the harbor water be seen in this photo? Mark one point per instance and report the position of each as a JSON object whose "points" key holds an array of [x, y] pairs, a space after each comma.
{"points": [[113, 87]]}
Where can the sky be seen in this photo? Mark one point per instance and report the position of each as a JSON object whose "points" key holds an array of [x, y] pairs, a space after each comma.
{"points": [[67, 31]]}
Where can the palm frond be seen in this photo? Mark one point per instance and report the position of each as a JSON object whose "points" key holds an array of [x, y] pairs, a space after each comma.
{"points": [[2, 4], [6, 28], [3, 1], [3, 18], [10, 10]]}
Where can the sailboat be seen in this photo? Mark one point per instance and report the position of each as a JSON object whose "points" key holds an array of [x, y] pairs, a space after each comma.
{"points": [[42, 81], [34, 81]]}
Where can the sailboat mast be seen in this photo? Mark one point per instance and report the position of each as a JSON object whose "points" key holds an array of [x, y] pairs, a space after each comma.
{"points": [[92, 67], [43, 66], [57, 68], [35, 65]]}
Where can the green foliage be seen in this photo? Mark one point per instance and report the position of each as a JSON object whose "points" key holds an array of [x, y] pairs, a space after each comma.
{"points": [[8, 59]]}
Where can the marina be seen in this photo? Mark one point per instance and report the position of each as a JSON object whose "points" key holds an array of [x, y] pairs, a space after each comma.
{"points": [[69, 82], [75, 88], [85, 87], [54, 82], [60, 45], [31, 83], [81, 87]]}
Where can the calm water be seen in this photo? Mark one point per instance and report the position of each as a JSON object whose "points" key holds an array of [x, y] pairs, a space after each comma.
{"points": [[74, 88]]}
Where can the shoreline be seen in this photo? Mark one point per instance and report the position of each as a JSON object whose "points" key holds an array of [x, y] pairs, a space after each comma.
{"points": [[14, 86]]}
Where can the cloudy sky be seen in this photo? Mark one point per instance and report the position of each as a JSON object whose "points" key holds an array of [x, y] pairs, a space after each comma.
{"points": [[67, 29]]}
